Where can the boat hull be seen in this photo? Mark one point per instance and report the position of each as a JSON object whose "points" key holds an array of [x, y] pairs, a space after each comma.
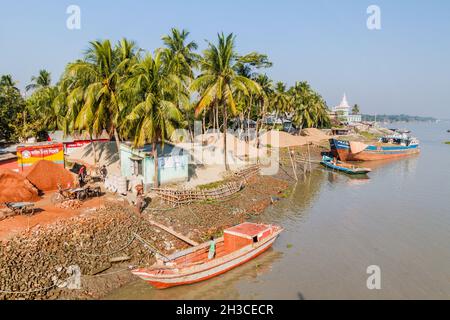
{"points": [[209, 271], [341, 150], [360, 171]]}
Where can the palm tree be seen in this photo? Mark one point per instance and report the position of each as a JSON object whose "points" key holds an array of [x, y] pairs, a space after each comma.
{"points": [[266, 85], [310, 109], [96, 82], [220, 81], [179, 58], [152, 116], [355, 109], [7, 81], [43, 80], [281, 101]]}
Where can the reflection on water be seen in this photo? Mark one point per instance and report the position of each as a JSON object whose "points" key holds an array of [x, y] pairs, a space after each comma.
{"points": [[336, 226]]}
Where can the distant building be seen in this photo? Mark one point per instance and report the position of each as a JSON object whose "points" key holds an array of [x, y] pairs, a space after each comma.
{"points": [[343, 111]]}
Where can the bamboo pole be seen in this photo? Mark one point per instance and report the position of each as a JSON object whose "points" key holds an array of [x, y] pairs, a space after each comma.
{"points": [[292, 163], [174, 233]]}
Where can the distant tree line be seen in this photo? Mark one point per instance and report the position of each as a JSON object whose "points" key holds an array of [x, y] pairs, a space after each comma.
{"points": [[396, 118]]}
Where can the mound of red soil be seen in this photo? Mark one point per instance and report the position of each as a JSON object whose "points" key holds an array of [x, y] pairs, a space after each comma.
{"points": [[46, 175], [16, 188]]}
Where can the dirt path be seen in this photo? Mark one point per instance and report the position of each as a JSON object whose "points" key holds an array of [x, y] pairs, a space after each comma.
{"points": [[46, 213]]}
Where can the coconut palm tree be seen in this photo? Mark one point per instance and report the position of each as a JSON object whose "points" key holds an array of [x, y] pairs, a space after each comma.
{"points": [[355, 109], [264, 98], [281, 100], [221, 82], [180, 58], [43, 80], [152, 115], [96, 84], [6, 80], [310, 109]]}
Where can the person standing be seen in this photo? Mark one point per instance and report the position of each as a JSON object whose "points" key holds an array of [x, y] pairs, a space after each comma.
{"points": [[140, 200], [212, 249]]}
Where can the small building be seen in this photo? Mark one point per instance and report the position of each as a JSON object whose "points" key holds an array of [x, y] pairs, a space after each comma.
{"points": [[173, 163], [340, 131]]}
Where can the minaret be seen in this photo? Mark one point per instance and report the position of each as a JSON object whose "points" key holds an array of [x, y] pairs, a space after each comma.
{"points": [[344, 100]]}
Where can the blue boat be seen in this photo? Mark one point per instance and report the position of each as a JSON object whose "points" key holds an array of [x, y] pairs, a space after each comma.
{"points": [[335, 164]]}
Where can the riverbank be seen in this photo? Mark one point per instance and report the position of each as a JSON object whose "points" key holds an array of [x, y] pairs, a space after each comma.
{"points": [[99, 242], [34, 260]]}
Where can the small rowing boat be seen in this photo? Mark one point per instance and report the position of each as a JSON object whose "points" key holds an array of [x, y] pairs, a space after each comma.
{"points": [[342, 166], [239, 245]]}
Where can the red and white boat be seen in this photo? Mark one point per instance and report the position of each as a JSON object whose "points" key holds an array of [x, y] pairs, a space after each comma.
{"points": [[238, 245]]}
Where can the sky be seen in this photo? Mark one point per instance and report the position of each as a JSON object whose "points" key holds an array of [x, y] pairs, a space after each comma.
{"points": [[402, 68]]}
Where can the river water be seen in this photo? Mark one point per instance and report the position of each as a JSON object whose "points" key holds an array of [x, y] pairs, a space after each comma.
{"points": [[337, 226]]}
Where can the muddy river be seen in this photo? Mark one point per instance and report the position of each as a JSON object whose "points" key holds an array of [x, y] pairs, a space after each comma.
{"points": [[337, 226]]}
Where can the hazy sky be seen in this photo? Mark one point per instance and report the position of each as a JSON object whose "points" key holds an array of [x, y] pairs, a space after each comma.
{"points": [[402, 68]]}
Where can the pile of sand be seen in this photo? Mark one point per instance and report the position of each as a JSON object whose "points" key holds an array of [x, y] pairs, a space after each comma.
{"points": [[315, 135], [16, 188], [237, 147], [46, 175], [281, 139]]}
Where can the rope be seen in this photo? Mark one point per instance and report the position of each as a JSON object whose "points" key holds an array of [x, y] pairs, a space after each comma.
{"points": [[107, 274]]}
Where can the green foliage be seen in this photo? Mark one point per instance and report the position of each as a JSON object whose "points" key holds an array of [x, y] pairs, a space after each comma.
{"points": [[355, 109], [310, 110], [12, 107]]}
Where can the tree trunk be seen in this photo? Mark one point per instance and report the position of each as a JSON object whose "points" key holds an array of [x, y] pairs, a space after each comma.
{"points": [[225, 129], [93, 150], [213, 119], [217, 116], [155, 158], [204, 122], [116, 136]]}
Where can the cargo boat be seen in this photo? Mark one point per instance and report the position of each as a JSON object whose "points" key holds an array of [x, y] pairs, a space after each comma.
{"points": [[239, 245], [395, 146]]}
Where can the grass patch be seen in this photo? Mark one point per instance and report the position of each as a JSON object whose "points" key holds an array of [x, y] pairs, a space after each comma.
{"points": [[211, 185], [368, 135]]}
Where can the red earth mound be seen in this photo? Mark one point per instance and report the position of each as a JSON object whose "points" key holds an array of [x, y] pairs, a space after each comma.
{"points": [[16, 188], [46, 175]]}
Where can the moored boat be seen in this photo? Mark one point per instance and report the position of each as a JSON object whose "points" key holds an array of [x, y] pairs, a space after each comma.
{"points": [[388, 147], [238, 245], [343, 167]]}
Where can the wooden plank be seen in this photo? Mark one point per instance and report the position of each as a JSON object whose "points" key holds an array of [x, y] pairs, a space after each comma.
{"points": [[174, 233]]}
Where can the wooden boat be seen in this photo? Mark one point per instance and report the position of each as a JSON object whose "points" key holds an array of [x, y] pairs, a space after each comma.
{"points": [[388, 147], [343, 167], [238, 245]]}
